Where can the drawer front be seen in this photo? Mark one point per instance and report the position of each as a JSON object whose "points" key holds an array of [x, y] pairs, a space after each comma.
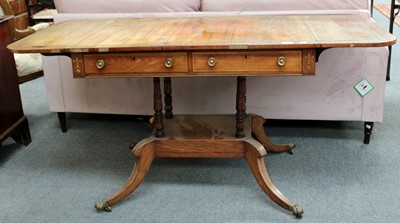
{"points": [[120, 64], [266, 62]]}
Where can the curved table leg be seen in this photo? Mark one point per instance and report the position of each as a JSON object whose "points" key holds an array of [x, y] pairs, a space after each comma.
{"points": [[257, 129], [256, 162], [145, 155]]}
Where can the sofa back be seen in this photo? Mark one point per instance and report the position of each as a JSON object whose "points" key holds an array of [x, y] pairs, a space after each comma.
{"points": [[126, 6], [283, 5], [160, 6]]}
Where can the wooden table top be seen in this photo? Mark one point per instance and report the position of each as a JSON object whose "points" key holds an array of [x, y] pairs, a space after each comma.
{"points": [[206, 33]]}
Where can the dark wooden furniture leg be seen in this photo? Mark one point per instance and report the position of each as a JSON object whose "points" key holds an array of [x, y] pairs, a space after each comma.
{"points": [[13, 122], [372, 8], [368, 126], [393, 14], [240, 106], [62, 117], [158, 107], [22, 133], [168, 97]]}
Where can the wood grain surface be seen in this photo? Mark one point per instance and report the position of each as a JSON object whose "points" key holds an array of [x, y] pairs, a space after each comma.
{"points": [[206, 33]]}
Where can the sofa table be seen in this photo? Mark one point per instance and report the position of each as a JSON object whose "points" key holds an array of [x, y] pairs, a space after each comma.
{"points": [[237, 46]]}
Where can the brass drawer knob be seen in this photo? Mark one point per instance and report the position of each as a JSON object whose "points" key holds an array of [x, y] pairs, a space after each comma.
{"points": [[281, 61], [100, 64], [212, 61], [169, 62]]}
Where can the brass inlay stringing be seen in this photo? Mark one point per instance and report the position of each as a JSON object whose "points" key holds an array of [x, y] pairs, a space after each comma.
{"points": [[308, 58], [77, 66]]}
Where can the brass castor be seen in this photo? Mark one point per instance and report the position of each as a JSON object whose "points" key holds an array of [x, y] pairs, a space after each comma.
{"points": [[258, 132], [297, 211], [291, 147], [103, 206]]}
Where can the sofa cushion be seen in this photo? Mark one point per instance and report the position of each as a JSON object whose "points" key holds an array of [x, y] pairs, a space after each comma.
{"points": [[126, 6], [283, 5], [28, 63]]}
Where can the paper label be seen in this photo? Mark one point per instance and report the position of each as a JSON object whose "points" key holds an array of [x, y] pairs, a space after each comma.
{"points": [[363, 87]]}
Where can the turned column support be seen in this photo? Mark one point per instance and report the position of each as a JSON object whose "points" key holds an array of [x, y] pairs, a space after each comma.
{"points": [[240, 106], [168, 97], [158, 107]]}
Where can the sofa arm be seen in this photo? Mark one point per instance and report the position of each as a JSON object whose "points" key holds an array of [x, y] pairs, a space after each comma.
{"points": [[40, 26]]}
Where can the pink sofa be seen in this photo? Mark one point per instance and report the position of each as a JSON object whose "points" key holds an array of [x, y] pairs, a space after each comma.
{"points": [[329, 95]]}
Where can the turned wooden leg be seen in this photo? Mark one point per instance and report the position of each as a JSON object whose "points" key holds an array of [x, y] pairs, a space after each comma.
{"points": [[145, 156], [62, 117], [258, 130], [158, 106], [257, 166], [168, 97], [368, 126], [240, 106]]}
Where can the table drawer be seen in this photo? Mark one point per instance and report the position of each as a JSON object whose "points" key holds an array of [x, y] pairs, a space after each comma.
{"points": [[266, 62], [134, 63]]}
